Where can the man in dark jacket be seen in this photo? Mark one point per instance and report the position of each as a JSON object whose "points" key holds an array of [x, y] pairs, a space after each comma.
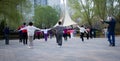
{"points": [[111, 30], [59, 33], [6, 35]]}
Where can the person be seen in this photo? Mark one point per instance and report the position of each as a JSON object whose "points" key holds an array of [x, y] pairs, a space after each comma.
{"points": [[82, 31], [65, 34], [6, 35], [111, 30], [59, 33], [50, 33], [45, 33], [37, 33], [30, 31], [23, 34], [88, 32], [20, 34], [91, 32], [68, 33], [94, 32], [105, 32]]}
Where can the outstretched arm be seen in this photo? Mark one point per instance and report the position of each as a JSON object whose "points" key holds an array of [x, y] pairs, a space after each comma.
{"points": [[104, 21], [23, 28], [78, 26], [37, 28]]}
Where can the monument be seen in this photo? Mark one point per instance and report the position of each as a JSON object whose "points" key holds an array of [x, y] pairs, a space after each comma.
{"points": [[65, 17]]}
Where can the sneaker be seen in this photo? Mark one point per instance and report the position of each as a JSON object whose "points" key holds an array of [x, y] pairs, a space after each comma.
{"points": [[30, 47], [110, 44], [59, 46], [113, 45]]}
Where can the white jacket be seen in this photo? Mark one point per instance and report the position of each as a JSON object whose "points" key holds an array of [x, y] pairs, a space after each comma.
{"points": [[82, 29], [45, 30], [30, 30]]}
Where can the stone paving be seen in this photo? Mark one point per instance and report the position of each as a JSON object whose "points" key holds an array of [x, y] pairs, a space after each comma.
{"points": [[74, 49]]}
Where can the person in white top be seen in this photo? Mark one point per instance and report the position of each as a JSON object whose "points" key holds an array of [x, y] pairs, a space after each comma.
{"points": [[105, 31], [45, 33], [82, 31], [30, 31]]}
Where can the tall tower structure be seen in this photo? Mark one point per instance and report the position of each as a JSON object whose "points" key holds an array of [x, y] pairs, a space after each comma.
{"points": [[65, 17]]}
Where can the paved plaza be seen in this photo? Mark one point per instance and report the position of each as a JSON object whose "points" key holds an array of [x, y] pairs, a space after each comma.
{"points": [[74, 49]]}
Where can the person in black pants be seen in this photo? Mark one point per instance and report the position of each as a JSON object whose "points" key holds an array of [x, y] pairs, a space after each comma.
{"points": [[82, 31], [87, 33], [59, 33], [111, 30], [23, 34], [6, 35]]}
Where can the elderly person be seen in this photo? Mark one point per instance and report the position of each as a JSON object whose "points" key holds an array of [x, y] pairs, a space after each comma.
{"points": [[111, 30], [30, 31]]}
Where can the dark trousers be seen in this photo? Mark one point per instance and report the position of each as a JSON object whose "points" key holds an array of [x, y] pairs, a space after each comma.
{"points": [[38, 36], [69, 35], [59, 39], [111, 38], [87, 35], [65, 36], [91, 35], [82, 35], [24, 37], [51, 36], [20, 36], [6, 39], [45, 36]]}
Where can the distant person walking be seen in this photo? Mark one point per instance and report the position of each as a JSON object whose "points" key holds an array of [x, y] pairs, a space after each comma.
{"points": [[45, 33], [91, 32], [30, 31], [111, 30], [65, 34], [105, 32], [87, 33], [59, 33], [82, 31], [6, 35]]}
